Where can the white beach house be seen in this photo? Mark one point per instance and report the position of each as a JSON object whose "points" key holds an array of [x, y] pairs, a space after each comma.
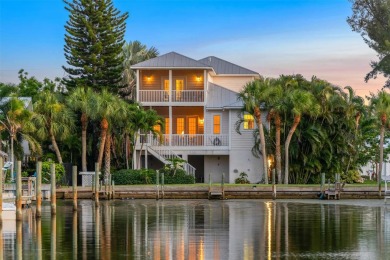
{"points": [[198, 100]]}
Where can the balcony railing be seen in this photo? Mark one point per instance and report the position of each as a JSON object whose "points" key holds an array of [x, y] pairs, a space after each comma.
{"points": [[177, 96], [187, 140]]}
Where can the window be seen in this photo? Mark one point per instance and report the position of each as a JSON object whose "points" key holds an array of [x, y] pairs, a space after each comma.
{"points": [[249, 122], [166, 89], [167, 126], [157, 128], [217, 124], [180, 125], [192, 125], [179, 83]]}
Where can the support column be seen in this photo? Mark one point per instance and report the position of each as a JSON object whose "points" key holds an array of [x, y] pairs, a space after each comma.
{"points": [[170, 85], [170, 125], [137, 87]]}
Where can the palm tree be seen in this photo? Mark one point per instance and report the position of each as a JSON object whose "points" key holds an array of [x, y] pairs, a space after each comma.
{"points": [[252, 95], [275, 100], [133, 53], [381, 106], [130, 128], [15, 118], [107, 108], [148, 122], [80, 100], [53, 119], [300, 102]]}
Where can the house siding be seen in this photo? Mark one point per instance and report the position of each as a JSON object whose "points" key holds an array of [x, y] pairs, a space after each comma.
{"points": [[234, 83], [216, 165], [241, 157]]}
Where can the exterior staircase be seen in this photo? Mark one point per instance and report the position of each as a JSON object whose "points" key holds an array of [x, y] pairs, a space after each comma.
{"points": [[164, 154]]}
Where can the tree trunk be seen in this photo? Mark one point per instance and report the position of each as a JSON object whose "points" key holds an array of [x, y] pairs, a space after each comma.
{"points": [[84, 124], [103, 134], [257, 114], [107, 157], [127, 150], [55, 146], [12, 157], [297, 119], [278, 153], [379, 174]]}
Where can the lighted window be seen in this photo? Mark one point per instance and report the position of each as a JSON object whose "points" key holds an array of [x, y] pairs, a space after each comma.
{"points": [[179, 83], [192, 122], [167, 126], [249, 122], [157, 128], [217, 124], [180, 125]]}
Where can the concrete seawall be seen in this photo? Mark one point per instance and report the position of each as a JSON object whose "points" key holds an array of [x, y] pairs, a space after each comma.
{"points": [[231, 192]]}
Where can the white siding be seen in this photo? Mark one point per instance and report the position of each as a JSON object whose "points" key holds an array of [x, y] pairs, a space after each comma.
{"points": [[241, 157], [209, 124], [216, 165], [234, 83]]}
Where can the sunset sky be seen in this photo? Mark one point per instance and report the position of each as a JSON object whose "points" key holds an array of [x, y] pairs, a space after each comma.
{"points": [[272, 37]]}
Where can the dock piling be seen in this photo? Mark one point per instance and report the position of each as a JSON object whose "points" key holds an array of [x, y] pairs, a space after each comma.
{"points": [[19, 191], [96, 184], [53, 197], [74, 186], [157, 185], [1, 189], [273, 185], [39, 190]]}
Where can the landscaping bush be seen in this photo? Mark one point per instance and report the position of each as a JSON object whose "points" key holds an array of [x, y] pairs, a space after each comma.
{"points": [[143, 176], [60, 172], [132, 177], [180, 177], [242, 179]]}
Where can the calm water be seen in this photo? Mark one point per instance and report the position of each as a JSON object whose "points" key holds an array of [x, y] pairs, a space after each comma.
{"points": [[202, 229]]}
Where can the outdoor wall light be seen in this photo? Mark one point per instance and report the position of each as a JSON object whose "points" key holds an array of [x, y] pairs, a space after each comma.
{"points": [[198, 78], [201, 121], [148, 78]]}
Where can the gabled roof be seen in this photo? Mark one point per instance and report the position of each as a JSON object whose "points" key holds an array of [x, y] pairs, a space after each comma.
{"points": [[171, 60], [223, 67]]}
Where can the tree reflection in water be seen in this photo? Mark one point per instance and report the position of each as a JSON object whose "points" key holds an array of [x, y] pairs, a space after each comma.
{"points": [[202, 229]]}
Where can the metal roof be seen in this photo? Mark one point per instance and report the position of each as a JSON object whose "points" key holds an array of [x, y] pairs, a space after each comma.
{"points": [[223, 67], [171, 60]]}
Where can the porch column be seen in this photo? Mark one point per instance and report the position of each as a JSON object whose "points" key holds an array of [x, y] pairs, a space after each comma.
{"points": [[170, 126], [205, 81], [137, 98], [170, 86]]}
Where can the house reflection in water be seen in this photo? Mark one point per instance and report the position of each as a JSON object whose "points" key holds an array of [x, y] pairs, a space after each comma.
{"points": [[201, 229]]}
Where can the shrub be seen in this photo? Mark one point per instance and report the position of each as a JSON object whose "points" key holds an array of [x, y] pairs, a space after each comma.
{"points": [[131, 177], [60, 172], [242, 179], [148, 176], [180, 177]]}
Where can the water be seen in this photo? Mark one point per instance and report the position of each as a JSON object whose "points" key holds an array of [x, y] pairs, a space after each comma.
{"points": [[202, 229]]}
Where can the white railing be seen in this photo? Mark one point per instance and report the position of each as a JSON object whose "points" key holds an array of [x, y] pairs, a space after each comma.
{"points": [[153, 96], [166, 154], [177, 96], [187, 140], [188, 96]]}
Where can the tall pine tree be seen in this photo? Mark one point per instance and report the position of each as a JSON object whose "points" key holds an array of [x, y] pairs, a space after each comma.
{"points": [[93, 43]]}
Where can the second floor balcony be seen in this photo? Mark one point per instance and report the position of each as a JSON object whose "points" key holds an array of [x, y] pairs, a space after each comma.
{"points": [[197, 140], [176, 96]]}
